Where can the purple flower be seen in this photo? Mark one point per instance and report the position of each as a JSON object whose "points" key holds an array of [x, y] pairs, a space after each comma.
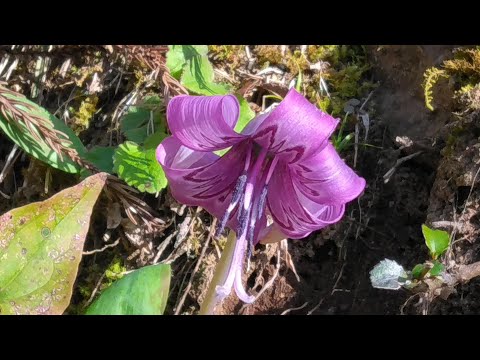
{"points": [[282, 161]]}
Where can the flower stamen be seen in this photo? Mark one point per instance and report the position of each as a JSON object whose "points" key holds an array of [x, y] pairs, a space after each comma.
{"points": [[237, 193], [236, 197]]}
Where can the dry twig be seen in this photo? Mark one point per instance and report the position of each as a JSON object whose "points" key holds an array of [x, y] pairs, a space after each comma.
{"points": [[178, 308]]}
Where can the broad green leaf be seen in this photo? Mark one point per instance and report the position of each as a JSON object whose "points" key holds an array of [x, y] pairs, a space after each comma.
{"points": [[101, 157], [136, 125], [198, 77], [437, 241], [178, 55], [419, 271], [437, 269], [139, 167], [175, 60], [154, 140], [40, 248], [190, 64], [142, 292], [41, 150], [246, 115]]}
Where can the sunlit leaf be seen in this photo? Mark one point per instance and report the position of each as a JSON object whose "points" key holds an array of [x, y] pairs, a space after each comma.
{"points": [[41, 246], [101, 157], [437, 269], [437, 241], [190, 64], [143, 119], [419, 271], [139, 168], [20, 135], [142, 292]]}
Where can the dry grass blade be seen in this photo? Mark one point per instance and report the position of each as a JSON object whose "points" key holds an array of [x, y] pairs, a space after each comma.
{"points": [[37, 126], [133, 206], [154, 58], [12, 157]]}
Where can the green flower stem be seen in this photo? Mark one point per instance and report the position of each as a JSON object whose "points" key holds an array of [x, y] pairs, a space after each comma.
{"points": [[209, 304]]}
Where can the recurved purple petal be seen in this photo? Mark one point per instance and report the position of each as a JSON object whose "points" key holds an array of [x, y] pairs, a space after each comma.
{"points": [[204, 123], [201, 178], [325, 178], [295, 129], [295, 214]]}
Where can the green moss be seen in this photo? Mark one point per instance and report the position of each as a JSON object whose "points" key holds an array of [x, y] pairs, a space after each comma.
{"points": [[194, 246], [270, 55], [346, 81], [81, 75], [115, 271], [86, 285], [345, 76], [230, 55], [344, 71], [140, 77], [465, 89], [431, 75], [337, 104], [324, 103], [296, 61], [464, 69], [85, 291], [85, 113], [74, 70], [222, 242], [466, 62], [330, 53]]}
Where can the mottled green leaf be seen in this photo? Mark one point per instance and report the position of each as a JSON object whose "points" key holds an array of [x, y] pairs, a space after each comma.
{"points": [[142, 292], [139, 167], [41, 150], [437, 241], [40, 248]]}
